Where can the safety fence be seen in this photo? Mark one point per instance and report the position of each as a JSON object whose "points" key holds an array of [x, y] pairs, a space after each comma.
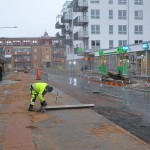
{"points": [[97, 85], [136, 97]]}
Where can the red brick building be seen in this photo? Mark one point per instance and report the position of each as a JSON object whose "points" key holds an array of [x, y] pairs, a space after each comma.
{"points": [[31, 52]]}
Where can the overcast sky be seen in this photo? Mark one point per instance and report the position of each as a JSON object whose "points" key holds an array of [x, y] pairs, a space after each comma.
{"points": [[32, 17]]}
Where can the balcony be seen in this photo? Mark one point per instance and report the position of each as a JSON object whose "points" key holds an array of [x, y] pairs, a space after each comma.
{"points": [[68, 30], [22, 53], [22, 60], [80, 5], [63, 31], [67, 18], [58, 35], [81, 35], [80, 21], [67, 41], [58, 25]]}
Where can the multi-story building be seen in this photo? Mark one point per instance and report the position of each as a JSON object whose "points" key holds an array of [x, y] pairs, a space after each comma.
{"points": [[3, 60], [29, 52], [58, 53], [93, 25]]}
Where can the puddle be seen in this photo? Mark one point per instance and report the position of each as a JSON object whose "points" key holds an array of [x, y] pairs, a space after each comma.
{"points": [[73, 81]]}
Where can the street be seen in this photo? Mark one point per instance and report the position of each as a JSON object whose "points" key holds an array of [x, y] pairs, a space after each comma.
{"points": [[130, 117], [69, 129]]}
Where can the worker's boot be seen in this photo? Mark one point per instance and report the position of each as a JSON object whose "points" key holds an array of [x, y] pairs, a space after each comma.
{"points": [[42, 108], [31, 108], [44, 103]]}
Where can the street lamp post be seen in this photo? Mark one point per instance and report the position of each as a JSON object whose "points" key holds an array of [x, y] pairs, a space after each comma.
{"points": [[9, 27]]}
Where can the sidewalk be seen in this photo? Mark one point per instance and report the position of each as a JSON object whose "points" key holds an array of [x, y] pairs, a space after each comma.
{"points": [[72, 129]]}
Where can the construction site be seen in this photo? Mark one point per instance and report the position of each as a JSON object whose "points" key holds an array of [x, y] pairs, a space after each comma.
{"points": [[75, 75], [83, 113]]}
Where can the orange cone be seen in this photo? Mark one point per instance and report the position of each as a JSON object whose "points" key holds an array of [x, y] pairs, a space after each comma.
{"points": [[38, 75]]}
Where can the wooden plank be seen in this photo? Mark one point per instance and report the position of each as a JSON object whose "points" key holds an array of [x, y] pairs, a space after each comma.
{"points": [[69, 106]]}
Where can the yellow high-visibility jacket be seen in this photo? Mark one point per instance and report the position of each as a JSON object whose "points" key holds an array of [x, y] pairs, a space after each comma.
{"points": [[39, 89]]}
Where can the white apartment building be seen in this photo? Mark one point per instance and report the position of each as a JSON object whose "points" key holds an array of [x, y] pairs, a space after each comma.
{"points": [[93, 25]]}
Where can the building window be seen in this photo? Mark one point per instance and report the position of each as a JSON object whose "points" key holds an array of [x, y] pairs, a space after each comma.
{"points": [[122, 2], [26, 42], [138, 29], [95, 29], [138, 15], [95, 1], [35, 57], [111, 43], [122, 29], [111, 29], [122, 42], [110, 14], [46, 49], [8, 42], [110, 2], [138, 41], [122, 14], [8, 51], [16, 43], [34, 42], [95, 14], [138, 2], [95, 44]]}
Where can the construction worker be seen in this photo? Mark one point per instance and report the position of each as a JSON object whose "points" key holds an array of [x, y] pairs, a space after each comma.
{"points": [[39, 89]]}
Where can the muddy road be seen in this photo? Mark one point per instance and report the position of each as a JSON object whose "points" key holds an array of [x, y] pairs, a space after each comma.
{"points": [[111, 108]]}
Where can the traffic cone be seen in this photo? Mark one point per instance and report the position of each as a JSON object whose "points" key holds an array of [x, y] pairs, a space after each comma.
{"points": [[38, 75]]}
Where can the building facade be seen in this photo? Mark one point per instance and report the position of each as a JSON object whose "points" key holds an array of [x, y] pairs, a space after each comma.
{"points": [[129, 60], [58, 53], [92, 25], [3, 60], [29, 52]]}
